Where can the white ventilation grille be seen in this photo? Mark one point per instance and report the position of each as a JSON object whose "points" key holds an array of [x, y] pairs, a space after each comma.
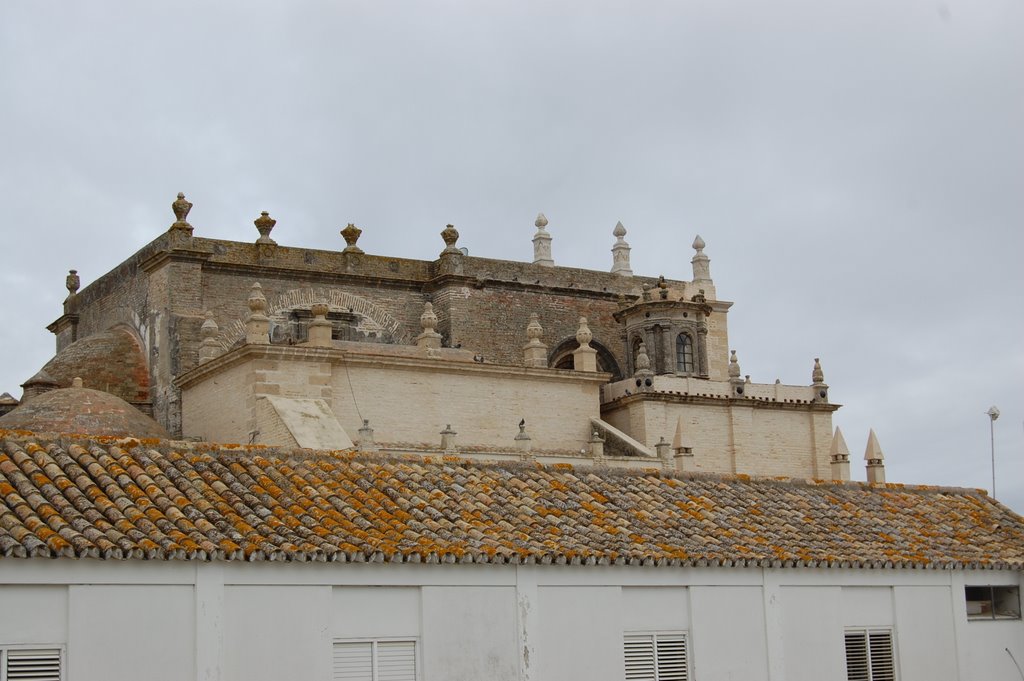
{"points": [[374, 661], [869, 655], [656, 657], [32, 665]]}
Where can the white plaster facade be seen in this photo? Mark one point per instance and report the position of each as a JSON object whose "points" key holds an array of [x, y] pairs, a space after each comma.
{"points": [[217, 621]]}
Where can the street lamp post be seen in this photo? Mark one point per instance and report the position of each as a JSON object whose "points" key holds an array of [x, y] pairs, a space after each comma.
{"points": [[993, 414]]}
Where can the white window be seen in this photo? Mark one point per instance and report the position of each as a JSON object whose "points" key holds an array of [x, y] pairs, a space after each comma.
{"points": [[376, 660], [869, 655], [30, 664], [656, 657]]}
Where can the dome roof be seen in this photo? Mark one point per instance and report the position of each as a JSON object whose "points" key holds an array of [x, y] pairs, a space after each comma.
{"points": [[113, 360], [84, 411]]}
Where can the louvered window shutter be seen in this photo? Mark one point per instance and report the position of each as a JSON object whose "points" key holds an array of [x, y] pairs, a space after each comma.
{"points": [[655, 657], [671, 651], [32, 665], [396, 661], [639, 651], [869, 656], [883, 667], [374, 661], [353, 661]]}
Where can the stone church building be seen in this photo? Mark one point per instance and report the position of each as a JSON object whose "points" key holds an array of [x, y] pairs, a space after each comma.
{"points": [[260, 343]]}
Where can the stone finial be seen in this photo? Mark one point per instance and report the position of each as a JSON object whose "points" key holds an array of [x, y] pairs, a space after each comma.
{"points": [[72, 282], [181, 207], [645, 292], [620, 252], [584, 358], [351, 235], [535, 353], [209, 348], [264, 223], [839, 457], [818, 382], [522, 440], [874, 458], [448, 439], [701, 263], [320, 328], [450, 236], [76, 382], [366, 442], [662, 287], [643, 363], [429, 338], [257, 324], [596, 444], [542, 243], [735, 378]]}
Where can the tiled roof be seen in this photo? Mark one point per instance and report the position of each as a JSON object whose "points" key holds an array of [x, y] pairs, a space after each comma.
{"points": [[103, 499]]}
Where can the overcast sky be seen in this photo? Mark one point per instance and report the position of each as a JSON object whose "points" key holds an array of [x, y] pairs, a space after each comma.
{"points": [[856, 169]]}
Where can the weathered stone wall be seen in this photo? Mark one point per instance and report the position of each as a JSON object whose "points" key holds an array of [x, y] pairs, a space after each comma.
{"points": [[407, 396], [734, 435]]}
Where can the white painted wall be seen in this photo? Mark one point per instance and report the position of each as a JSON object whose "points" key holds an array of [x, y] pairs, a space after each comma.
{"points": [[728, 633], [131, 632], [469, 633], [277, 632], [227, 621], [580, 633], [812, 633]]}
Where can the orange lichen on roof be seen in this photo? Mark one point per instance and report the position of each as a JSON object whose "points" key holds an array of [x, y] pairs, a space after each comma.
{"points": [[117, 498]]}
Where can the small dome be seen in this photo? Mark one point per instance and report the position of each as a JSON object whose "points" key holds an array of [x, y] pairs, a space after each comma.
{"points": [[84, 411]]}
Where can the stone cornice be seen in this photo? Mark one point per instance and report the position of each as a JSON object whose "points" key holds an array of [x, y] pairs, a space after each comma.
{"points": [[364, 357], [718, 400]]}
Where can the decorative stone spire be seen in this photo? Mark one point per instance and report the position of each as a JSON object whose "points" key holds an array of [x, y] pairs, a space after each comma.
{"points": [[542, 243], [535, 353], [430, 338], [319, 333], [874, 458], [620, 252], [522, 440], [735, 379], [264, 223], [818, 382], [584, 358], [351, 235], [209, 348], [450, 236], [181, 207], [643, 364], [701, 263], [257, 324], [839, 457]]}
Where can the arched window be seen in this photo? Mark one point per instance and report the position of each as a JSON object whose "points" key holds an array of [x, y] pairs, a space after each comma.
{"points": [[684, 353]]}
